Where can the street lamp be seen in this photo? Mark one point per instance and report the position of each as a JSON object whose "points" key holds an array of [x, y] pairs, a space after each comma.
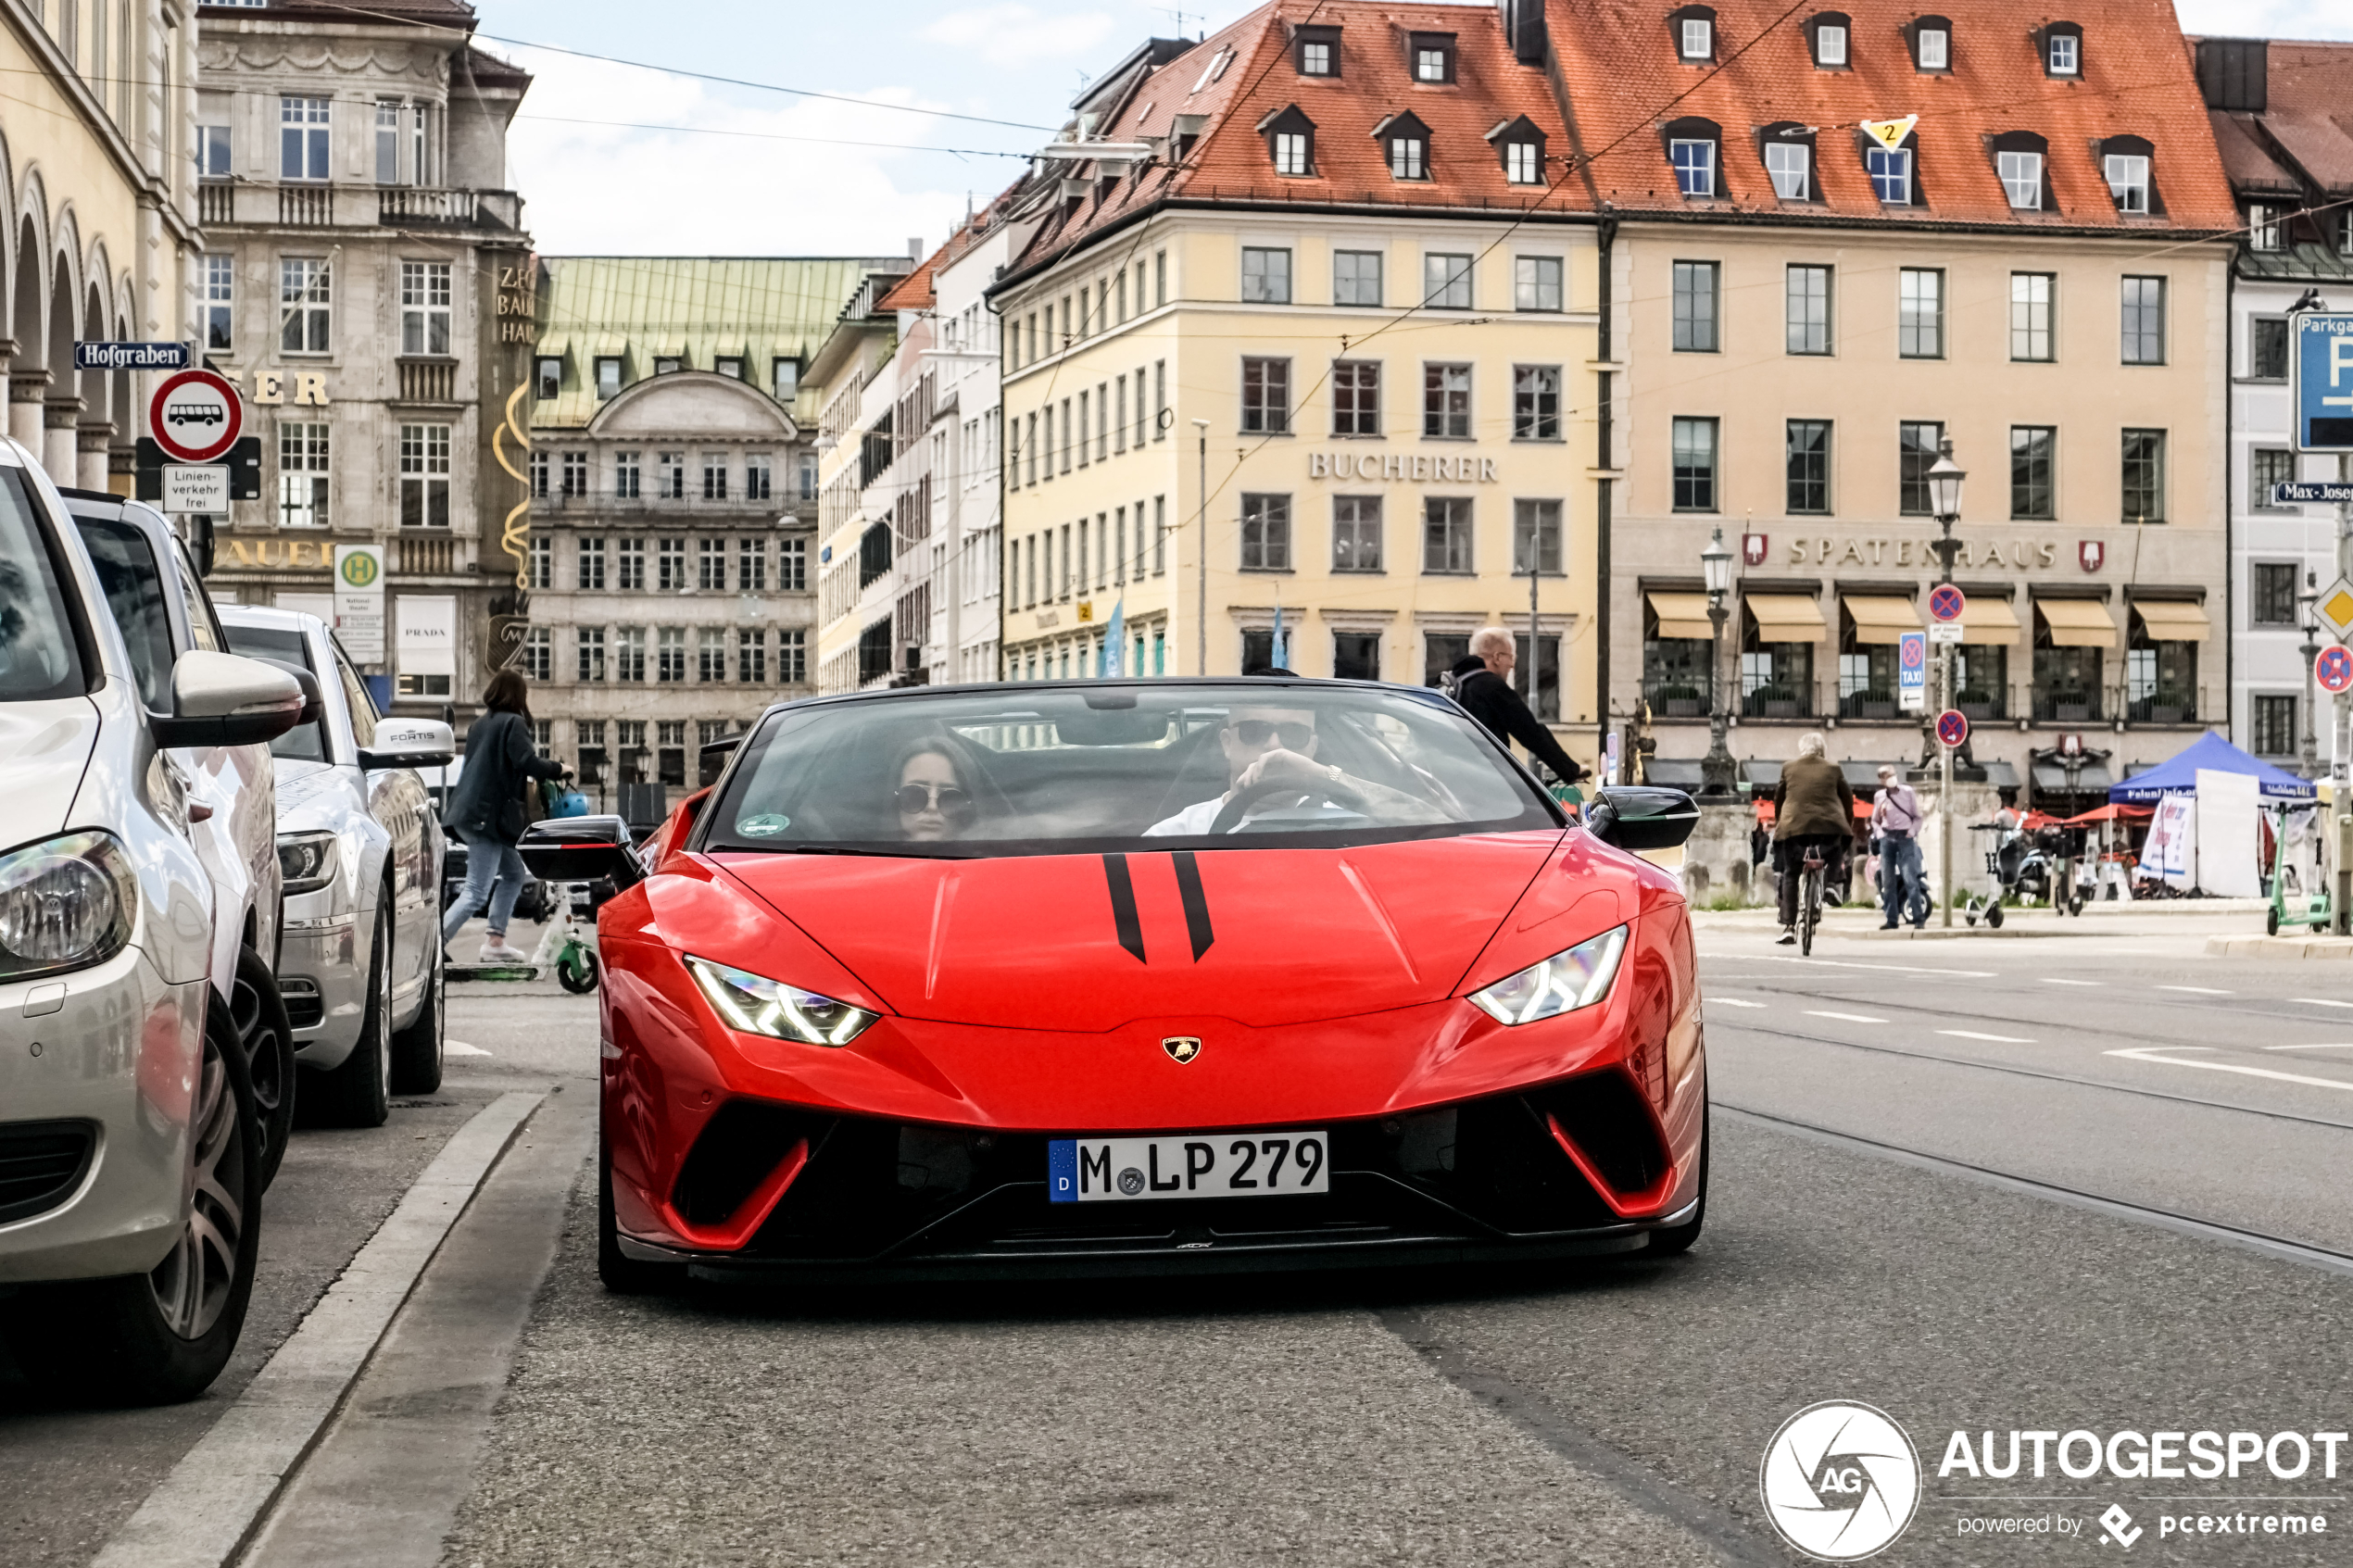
{"points": [[1715, 768], [1945, 477], [2311, 651]]}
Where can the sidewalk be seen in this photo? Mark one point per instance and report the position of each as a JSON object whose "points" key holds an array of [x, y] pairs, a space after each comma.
{"points": [[2228, 924]]}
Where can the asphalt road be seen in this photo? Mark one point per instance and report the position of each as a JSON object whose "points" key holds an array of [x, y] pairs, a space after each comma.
{"points": [[1938, 1188]]}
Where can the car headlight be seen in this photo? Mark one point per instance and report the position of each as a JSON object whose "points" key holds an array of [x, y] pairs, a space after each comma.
{"points": [[1562, 982], [67, 903], [307, 861], [759, 1005]]}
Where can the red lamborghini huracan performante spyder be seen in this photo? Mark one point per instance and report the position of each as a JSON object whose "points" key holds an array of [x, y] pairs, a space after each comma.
{"points": [[1129, 976]]}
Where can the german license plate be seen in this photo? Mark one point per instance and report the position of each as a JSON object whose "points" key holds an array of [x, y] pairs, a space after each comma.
{"points": [[1187, 1165]]}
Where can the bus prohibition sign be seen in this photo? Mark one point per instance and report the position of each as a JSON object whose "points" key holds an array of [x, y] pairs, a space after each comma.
{"points": [[2334, 669], [196, 417], [1952, 727]]}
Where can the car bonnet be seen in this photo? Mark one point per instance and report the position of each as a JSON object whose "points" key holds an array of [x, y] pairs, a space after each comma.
{"points": [[45, 747]]}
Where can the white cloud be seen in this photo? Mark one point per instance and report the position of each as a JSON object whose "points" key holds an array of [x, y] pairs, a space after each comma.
{"points": [[2266, 19], [1016, 35], [597, 187]]}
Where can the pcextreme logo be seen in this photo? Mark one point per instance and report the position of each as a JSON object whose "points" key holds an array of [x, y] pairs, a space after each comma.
{"points": [[1839, 1481]]}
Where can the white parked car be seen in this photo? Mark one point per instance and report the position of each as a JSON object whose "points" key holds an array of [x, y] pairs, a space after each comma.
{"points": [[360, 846], [130, 1150]]}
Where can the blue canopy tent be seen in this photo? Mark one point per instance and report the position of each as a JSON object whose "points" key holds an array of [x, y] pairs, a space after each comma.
{"points": [[2177, 775]]}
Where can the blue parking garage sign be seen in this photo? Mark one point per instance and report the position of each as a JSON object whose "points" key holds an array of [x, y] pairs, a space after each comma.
{"points": [[2321, 366]]}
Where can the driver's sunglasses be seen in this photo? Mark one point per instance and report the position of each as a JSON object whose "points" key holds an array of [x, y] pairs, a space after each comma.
{"points": [[1257, 732], [947, 799]]}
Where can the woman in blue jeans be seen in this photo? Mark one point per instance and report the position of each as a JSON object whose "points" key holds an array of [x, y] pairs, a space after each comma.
{"points": [[487, 813]]}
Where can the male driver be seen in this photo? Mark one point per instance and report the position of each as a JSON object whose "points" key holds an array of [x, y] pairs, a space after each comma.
{"points": [[1275, 747], [1895, 818], [1483, 687]]}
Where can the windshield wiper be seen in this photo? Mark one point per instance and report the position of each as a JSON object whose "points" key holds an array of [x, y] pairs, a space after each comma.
{"points": [[839, 849]]}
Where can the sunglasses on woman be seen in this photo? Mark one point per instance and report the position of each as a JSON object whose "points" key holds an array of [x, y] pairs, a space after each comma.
{"points": [[947, 799], [1257, 732]]}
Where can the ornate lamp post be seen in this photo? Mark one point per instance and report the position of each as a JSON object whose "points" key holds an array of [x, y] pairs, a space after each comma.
{"points": [[2311, 651], [1716, 768], [1945, 477]]}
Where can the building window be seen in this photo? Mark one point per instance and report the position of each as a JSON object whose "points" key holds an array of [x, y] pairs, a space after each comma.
{"points": [[302, 139], [668, 364], [212, 151], [589, 574], [1357, 276], [2161, 678], [1920, 322], [1408, 158], [608, 378], [1315, 56], [1935, 45], [2262, 226], [576, 472], [1536, 283], [710, 559], [2143, 329], [752, 565], [632, 566], [1694, 164], [751, 658], [1355, 655], [2267, 467], [1919, 444], [548, 379], [1696, 38], [1433, 60], [424, 476], [539, 476], [792, 658], [629, 655], [1446, 282], [806, 468], [1806, 300], [538, 655], [1357, 397], [2267, 350], [1830, 46], [1265, 275], [1891, 173], [302, 474], [711, 654], [792, 566], [1446, 535], [670, 558], [1292, 153], [2064, 50], [1696, 307], [542, 572], [1536, 538], [2033, 493], [1265, 532], [2021, 178], [304, 302], [670, 470], [627, 475], [589, 643], [1536, 403], [1523, 163], [1446, 391], [220, 297], [714, 476], [2128, 181], [1809, 464], [1266, 397], [2274, 726], [2273, 602], [1694, 457], [2031, 315], [758, 477], [1791, 166], [424, 308], [388, 141], [2144, 476], [729, 365], [1356, 532]]}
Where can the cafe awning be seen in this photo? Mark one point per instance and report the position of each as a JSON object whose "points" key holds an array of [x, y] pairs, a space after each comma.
{"points": [[1786, 617], [2173, 620], [1990, 620], [2077, 623], [1682, 614], [1880, 617]]}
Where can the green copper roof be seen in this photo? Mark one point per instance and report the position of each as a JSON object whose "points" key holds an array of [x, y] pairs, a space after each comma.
{"points": [[698, 308]]}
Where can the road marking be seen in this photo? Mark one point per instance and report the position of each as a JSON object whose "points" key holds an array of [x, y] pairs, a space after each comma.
{"points": [[2333, 1047], [2054, 979], [2198, 990], [2318, 1002], [460, 1047], [1849, 1017], [2143, 1053], [201, 1514], [1731, 1002], [1998, 1039], [1881, 968]]}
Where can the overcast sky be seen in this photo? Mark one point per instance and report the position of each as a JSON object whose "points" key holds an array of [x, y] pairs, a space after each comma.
{"points": [[596, 181]]}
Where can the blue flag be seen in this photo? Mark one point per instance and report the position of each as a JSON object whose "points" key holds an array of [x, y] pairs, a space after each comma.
{"points": [[1276, 650], [1115, 639]]}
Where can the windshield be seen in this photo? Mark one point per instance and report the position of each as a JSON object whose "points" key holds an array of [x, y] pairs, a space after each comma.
{"points": [[37, 656], [304, 743], [134, 590], [1059, 769]]}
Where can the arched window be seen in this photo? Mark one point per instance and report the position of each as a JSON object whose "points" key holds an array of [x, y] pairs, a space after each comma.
{"points": [[1695, 151]]}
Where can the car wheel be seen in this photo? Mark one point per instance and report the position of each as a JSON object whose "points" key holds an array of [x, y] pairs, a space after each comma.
{"points": [[418, 1050], [1671, 1239], [625, 1275], [359, 1094], [164, 1335], [266, 1036]]}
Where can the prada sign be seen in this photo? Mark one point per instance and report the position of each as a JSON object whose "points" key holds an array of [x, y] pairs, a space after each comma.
{"points": [[2019, 555], [1417, 468]]}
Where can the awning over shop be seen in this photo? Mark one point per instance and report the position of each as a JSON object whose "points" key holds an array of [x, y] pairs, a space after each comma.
{"points": [[2075, 623], [1682, 614], [1990, 621], [2000, 774], [1786, 617], [2173, 620], [1880, 617]]}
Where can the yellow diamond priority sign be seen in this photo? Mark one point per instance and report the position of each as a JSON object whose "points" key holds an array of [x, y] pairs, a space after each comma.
{"points": [[2336, 608]]}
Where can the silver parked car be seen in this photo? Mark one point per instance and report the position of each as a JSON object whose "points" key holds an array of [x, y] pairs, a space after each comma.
{"points": [[130, 1150], [361, 847]]}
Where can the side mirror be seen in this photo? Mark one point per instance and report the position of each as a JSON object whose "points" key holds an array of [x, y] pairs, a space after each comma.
{"points": [[222, 699], [314, 706], [409, 743], [582, 849], [1643, 816]]}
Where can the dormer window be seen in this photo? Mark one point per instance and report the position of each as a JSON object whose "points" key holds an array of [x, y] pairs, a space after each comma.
{"points": [[1520, 147], [2021, 161], [1891, 173], [1693, 28], [550, 378], [1317, 50], [1405, 140], [2263, 225], [1691, 150], [1788, 151], [1433, 57], [1827, 32], [608, 378], [665, 364], [1290, 142], [2063, 50], [1930, 40], [2125, 161]]}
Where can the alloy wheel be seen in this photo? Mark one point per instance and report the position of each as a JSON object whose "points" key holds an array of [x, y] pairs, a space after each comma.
{"points": [[380, 998], [265, 1055], [193, 1283]]}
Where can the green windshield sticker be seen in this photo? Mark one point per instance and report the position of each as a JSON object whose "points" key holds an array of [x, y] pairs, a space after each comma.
{"points": [[767, 824]]}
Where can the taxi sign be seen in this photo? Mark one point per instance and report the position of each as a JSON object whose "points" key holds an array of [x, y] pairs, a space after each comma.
{"points": [[196, 417], [1911, 671], [1945, 602], [2334, 669], [2334, 607], [1952, 727]]}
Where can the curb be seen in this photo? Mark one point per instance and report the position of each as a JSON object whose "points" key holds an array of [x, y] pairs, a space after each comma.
{"points": [[2278, 947]]}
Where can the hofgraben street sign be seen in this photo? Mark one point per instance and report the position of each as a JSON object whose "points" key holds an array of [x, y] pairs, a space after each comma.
{"points": [[130, 357]]}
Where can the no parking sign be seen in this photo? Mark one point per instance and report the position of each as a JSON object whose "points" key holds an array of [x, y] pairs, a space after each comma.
{"points": [[1952, 727], [2333, 667]]}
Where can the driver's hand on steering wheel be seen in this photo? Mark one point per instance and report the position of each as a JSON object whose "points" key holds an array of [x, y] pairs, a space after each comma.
{"points": [[1279, 767]]}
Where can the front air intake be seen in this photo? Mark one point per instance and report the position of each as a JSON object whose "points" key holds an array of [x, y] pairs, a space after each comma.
{"points": [[1612, 1126], [41, 1164], [739, 1148]]}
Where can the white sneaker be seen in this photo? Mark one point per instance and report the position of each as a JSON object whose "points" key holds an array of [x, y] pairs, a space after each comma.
{"points": [[497, 952]]}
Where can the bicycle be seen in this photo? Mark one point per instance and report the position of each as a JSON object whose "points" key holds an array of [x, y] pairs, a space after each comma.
{"points": [[1809, 898]]}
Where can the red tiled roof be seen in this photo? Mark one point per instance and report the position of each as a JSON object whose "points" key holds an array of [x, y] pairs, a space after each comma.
{"points": [[1625, 82], [913, 291], [2311, 112], [1229, 162]]}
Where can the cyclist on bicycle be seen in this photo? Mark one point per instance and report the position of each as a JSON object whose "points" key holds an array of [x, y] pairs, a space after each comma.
{"points": [[1813, 809]]}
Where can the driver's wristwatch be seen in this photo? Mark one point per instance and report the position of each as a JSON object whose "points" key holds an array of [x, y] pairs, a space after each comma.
{"points": [[1331, 772]]}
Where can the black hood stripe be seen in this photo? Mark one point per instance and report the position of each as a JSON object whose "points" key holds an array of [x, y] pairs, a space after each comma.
{"points": [[1196, 903], [1123, 906]]}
